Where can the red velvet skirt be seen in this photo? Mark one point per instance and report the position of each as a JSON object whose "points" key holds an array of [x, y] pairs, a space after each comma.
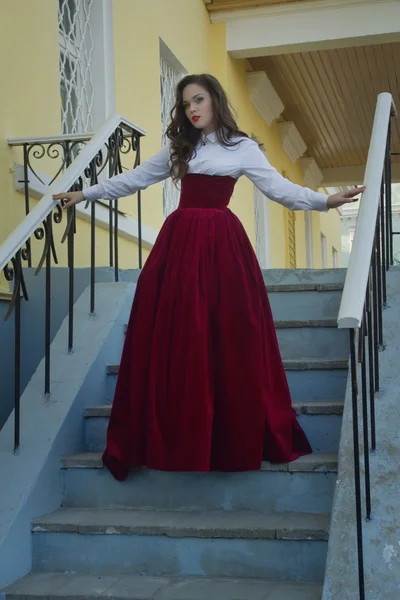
{"points": [[201, 384]]}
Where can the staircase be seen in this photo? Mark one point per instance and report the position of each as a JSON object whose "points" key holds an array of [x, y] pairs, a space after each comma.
{"points": [[209, 536]]}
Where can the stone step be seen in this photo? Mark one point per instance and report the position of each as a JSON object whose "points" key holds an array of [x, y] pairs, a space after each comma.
{"points": [[309, 380], [328, 407], [317, 277], [321, 422], [320, 278], [283, 546], [296, 323], [305, 385], [304, 485], [312, 343], [289, 365], [44, 586], [310, 339], [321, 384], [304, 302]]}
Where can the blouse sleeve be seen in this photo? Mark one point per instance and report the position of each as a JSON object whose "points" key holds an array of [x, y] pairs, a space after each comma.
{"points": [[295, 197], [151, 171]]}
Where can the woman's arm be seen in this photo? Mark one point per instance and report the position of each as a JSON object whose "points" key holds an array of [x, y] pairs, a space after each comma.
{"points": [[291, 195], [295, 197], [153, 170]]}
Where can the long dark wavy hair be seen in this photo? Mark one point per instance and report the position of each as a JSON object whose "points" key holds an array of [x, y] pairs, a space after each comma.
{"points": [[182, 133]]}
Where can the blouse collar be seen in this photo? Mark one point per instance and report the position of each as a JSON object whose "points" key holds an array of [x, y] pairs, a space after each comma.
{"points": [[210, 138]]}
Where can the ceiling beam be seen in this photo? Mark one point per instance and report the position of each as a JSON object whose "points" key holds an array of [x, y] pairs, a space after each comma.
{"points": [[307, 26], [344, 176]]}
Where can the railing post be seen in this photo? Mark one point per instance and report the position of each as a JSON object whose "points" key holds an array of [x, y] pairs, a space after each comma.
{"points": [[139, 209], [357, 479], [27, 207], [388, 194], [17, 352], [49, 235]]}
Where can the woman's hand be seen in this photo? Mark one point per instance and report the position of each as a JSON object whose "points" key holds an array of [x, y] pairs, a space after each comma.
{"points": [[345, 197], [72, 198]]}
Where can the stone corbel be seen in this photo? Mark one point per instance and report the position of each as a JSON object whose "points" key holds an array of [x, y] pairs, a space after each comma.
{"points": [[264, 97], [291, 140], [313, 176]]}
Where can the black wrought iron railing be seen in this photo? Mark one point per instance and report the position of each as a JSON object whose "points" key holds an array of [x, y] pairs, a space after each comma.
{"points": [[361, 311], [79, 161]]}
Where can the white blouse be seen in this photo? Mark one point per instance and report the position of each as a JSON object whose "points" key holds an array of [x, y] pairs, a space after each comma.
{"points": [[213, 159]]}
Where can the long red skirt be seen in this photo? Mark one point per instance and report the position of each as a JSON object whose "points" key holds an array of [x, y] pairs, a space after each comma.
{"points": [[201, 384]]}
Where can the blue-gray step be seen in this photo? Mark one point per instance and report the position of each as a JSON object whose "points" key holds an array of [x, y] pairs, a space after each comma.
{"points": [[311, 339], [308, 379], [305, 301], [302, 486], [282, 546], [321, 421], [70, 586]]}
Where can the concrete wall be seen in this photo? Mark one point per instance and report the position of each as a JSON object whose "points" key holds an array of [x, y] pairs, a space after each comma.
{"points": [[53, 427], [381, 533]]}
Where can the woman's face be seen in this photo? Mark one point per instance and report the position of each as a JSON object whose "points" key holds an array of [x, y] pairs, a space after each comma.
{"points": [[198, 107]]}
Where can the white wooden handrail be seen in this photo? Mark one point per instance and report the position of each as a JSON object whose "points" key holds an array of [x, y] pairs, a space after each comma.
{"points": [[34, 219], [355, 286]]}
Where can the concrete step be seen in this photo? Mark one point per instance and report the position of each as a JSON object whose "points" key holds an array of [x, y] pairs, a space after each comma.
{"points": [[304, 485], [43, 586], [315, 277], [304, 302], [302, 364], [282, 546], [321, 421], [274, 277], [310, 339], [309, 380]]}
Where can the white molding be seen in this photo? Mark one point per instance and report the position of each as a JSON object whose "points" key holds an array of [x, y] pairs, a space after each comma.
{"points": [[170, 57], [324, 25], [291, 140], [127, 227], [103, 72], [294, 8], [312, 173], [52, 139], [309, 238], [32, 221], [264, 97], [358, 271]]}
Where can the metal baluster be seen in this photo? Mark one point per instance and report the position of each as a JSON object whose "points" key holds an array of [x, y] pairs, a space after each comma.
{"points": [[27, 207], [357, 466], [383, 245], [49, 234], [367, 478]]}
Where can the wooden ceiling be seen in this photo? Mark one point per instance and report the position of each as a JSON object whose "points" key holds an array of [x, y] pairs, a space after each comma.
{"points": [[331, 97], [237, 4]]}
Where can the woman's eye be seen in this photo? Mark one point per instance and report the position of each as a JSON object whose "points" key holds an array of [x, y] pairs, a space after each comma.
{"points": [[198, 100]]}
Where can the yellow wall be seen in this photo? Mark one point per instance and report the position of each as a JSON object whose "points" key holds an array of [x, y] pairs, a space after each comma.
{"points": [[138, 26], [29, 101], [330, 227]]}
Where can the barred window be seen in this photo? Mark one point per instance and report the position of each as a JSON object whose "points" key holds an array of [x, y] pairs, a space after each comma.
{"points": [[76, 49]]}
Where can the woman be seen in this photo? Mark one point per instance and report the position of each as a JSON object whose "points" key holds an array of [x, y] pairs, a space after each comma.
{"points": [[201, 384]]}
